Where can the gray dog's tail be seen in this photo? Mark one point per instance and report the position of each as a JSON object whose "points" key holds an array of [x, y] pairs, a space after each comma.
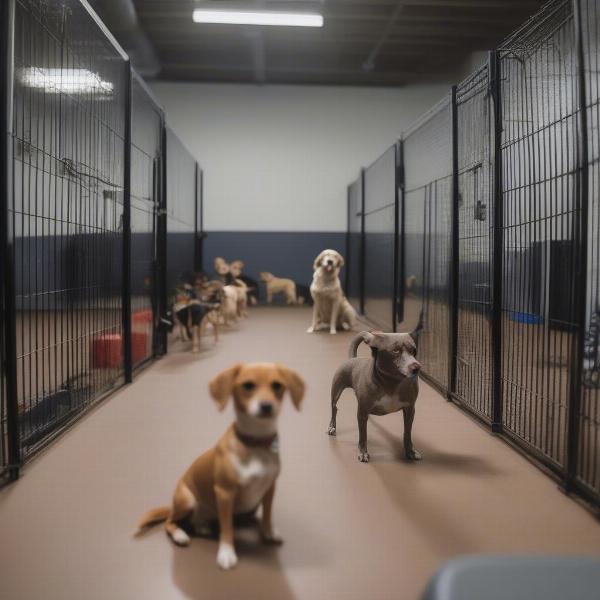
{"points": [[352, 352]]}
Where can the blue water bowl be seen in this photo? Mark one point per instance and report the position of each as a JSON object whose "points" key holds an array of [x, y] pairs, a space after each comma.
{"points": [[526, 318]]}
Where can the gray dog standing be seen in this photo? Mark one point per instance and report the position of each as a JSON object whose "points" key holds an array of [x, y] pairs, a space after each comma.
{"points": [[384, 383]]}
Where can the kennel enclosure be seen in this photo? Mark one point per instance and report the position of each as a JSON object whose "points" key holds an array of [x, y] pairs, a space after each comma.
{"points": [[498, 241], [87, 220]]}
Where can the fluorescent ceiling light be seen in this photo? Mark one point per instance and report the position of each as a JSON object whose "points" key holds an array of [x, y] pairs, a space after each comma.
{"points": [[267, 17], [68, 81]]}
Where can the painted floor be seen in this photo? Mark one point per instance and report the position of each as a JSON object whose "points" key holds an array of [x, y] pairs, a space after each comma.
{"points": [[351, 530]]}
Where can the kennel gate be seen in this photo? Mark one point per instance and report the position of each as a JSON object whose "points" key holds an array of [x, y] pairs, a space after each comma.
{"points": [[181, 211], [147, 122], [500, 246], [427, 209], [83, 221], [380, 217], [475, 213], [540, 231], [69, 135], [584, 466]]}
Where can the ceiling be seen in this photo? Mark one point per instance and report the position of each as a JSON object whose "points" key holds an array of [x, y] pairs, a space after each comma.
{"points": [[363, 42]]}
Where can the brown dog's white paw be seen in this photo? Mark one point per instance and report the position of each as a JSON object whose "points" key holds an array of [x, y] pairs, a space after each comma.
{"points": [[310, 330], [414, 455], [363, 457], [271, 537], [226, 556], [180, 537], [331, 430], [332, 332]]}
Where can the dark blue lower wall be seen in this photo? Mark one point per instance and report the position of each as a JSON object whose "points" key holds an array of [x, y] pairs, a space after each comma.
{"points": [[285, 254], [80, 262]]}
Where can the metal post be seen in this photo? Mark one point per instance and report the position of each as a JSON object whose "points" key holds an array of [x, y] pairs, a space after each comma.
{"points": [[200, 235], [494, 75], [161, 241], [348, 257], [580, 275], [402, 235], [196, 218], [363, 248], [198, 225], [454, 253], [7, 236], [398, 307], [127, 352]]}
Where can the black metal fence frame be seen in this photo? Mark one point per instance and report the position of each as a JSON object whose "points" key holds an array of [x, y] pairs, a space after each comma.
{"points": [[398, 268], [11, 456], [567, 474], [395, 302]]}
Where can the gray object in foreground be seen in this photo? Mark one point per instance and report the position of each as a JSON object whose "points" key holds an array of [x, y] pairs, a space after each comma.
{"points": [[516, 578]]}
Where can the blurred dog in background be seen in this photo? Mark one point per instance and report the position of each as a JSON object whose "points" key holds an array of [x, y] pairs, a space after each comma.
{"points": [[278, 285], [236, 269]]}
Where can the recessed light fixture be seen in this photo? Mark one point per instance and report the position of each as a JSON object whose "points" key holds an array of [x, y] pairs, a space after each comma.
{"points": [[67, 81], [263, 17]]}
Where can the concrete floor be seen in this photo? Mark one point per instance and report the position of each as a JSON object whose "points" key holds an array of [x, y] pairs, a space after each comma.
{"points": [[352, 530]]}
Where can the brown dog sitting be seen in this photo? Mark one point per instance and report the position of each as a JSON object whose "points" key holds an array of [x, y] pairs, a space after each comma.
{"points": [[239, 473]]}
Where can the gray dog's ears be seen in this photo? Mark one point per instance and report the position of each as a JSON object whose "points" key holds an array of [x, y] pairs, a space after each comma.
{"points": [[415, 334]]}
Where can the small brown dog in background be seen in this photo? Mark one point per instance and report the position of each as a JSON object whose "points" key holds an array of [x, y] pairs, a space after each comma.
{"points": [[236, 269], [279, 285], [221, 268], [239, 473], [236, 291]]}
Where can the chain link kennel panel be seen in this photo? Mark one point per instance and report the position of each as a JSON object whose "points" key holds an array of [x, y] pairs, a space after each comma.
{"points": [[540, 214]]}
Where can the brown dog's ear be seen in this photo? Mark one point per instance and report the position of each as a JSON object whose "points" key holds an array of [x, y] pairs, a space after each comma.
{"points": [[221, 386], [294, 384], [318, 260]]}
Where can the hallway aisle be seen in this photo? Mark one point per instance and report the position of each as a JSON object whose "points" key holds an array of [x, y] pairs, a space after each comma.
{"points": [[351, 530]]}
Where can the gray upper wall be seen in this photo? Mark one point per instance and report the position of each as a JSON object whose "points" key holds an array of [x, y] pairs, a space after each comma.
{"points": [[279, 158]]}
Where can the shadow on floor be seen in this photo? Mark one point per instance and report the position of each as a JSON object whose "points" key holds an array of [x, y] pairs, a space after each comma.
{"points": [[437, 515], [185, 357], [196, 574], [435, 458]]}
